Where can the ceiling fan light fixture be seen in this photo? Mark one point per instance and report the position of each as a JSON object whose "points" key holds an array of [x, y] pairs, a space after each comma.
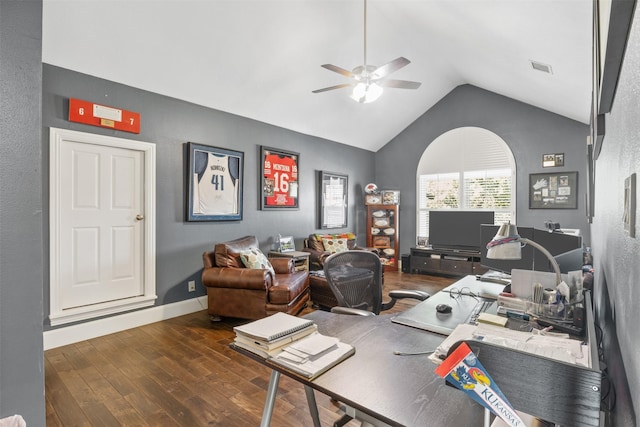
{"points": [[365, 93]]}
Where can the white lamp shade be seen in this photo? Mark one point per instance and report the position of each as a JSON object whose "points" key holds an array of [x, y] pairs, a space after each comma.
{"points": [[505, 244], [510, 250]]}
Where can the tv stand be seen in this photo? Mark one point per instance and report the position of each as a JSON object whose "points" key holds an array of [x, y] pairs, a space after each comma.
{"points": [[450, 261]]}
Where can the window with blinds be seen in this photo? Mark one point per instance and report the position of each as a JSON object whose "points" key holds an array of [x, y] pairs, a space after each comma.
{"points": [[466, 169]]}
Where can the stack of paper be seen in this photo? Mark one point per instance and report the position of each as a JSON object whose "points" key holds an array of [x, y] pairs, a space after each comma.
{"points": [[313, 355], [266, 337]]}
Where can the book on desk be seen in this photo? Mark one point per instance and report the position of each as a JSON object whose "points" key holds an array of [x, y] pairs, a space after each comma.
{"points": [[292, 343]]}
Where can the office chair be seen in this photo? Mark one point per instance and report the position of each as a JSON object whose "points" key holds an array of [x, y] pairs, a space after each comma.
{"points": [[355, 277]]}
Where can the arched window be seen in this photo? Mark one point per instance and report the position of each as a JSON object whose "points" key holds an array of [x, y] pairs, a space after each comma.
{"points": [[467, 168]]}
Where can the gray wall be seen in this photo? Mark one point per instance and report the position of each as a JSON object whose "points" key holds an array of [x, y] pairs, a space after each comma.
{"points": [[617, 270], [170, 124], [530, 132], [21, 269]]}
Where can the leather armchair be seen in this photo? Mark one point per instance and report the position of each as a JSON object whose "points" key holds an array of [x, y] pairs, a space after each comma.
{"points": [[248, 293]]}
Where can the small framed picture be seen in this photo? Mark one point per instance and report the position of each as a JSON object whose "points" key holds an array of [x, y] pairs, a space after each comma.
{"points": [[552, 160], [390, 197], [333, 199], [287, 244], [629, 213]]}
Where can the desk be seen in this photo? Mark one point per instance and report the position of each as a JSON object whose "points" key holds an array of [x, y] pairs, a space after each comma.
{"points": [[397, 390], [404, 390]]}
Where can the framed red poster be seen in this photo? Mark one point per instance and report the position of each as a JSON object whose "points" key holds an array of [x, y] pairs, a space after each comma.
{"points": [[279, 179]]}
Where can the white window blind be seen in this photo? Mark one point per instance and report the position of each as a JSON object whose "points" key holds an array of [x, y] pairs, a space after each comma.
{"points": [[466, 169]]}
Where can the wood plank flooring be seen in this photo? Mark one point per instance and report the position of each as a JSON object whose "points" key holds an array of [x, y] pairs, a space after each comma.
{"points": [[181, 372]]}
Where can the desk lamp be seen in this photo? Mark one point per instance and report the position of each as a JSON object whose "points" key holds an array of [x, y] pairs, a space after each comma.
{"points": [[507, 244]]}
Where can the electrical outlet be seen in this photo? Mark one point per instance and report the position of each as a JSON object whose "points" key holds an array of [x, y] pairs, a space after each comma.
{"points": [[192, 286]]}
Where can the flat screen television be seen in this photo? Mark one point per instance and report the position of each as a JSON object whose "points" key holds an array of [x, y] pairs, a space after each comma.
{"points": [[457, 230]]}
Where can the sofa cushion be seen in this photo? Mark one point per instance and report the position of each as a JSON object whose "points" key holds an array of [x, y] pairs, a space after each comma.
{"points": [[254, 258], [335, 245], [315, 240]]}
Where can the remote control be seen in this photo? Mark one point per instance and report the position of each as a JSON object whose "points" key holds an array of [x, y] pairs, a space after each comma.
{"points": [[561, 327]]}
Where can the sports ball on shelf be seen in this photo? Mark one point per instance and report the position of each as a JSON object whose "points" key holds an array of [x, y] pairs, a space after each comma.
{"points": [[371, 188]]}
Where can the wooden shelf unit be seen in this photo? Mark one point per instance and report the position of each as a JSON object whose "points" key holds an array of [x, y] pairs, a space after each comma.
{"points": [[382, 234]]}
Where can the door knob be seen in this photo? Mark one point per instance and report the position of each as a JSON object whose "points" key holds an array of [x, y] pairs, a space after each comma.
{"points": [[139, 217]]}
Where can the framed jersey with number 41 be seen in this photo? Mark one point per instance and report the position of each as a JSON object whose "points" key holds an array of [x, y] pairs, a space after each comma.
{"points": [[215, 177]]}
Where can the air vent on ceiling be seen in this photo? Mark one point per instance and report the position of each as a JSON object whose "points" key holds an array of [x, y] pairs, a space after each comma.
{"points": [[541, 67]]}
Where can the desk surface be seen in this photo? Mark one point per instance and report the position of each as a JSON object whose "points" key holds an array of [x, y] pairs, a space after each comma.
{"points": [[424, 315], [398, 390]]}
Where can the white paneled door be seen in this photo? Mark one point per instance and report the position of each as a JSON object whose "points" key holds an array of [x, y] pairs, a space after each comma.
{"points": [[101, 210]]}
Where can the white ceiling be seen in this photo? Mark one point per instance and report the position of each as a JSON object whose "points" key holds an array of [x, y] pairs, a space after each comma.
{"points": [[261, 59]]}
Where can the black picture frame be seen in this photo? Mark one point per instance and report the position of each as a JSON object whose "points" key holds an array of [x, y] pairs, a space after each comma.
{"points": [[333, 203], [557, 190], [215, 180], [279, 179], [589, 195]]}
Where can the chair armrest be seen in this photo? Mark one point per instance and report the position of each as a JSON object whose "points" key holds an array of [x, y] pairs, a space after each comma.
{"points": [[351, 311], [316, 257], [282, 265], [239, 278], [403, 293], [209, 259]]}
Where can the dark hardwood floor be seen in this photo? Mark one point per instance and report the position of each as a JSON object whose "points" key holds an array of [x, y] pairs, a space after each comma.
{"points": [[181, 372]]}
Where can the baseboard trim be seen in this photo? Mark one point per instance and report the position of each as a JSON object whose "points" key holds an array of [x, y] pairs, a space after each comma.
{"points": [[109, 325]]}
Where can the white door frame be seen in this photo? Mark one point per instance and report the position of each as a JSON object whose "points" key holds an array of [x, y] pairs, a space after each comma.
{"points": [[58, 315]]}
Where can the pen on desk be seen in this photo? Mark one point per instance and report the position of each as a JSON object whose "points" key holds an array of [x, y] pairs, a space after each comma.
{"points": [[402, 353]]}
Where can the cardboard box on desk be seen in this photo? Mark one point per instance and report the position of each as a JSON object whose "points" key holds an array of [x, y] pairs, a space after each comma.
{"points": [[522, 282]]}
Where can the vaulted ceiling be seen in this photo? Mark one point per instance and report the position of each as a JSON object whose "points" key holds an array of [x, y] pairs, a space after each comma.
{"points": [[262, 59]]}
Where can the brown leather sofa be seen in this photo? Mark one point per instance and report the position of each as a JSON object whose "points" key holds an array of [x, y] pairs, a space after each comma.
{"points": [[316, 248], [247, 293]]}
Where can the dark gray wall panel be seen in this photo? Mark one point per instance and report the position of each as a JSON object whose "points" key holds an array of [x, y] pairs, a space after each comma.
{"points": [[529, 132], [21, 243]]}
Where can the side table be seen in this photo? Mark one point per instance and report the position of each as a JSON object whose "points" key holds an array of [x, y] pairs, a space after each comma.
{"points": [[300, 259]]}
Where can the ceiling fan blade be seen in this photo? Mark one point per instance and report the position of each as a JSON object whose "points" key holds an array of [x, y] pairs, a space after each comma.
{"points": [[332, 87], [390, 67], [338, 70], [399, 84]]}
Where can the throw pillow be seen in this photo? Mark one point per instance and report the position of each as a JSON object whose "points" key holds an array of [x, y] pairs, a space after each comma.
{"points": [[254, 258], [335, 245]]}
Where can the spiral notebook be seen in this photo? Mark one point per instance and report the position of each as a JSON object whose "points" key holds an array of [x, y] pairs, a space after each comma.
{"points": [[274, 327]]}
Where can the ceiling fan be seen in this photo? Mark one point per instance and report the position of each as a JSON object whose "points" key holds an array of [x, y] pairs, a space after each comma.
{"points": [[368, 80]]}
